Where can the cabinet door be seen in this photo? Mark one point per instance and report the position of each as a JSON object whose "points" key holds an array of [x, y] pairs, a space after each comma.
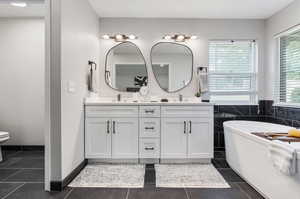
{"points": [[97, 138], [173, 138], [125, 138], [200, 138]]}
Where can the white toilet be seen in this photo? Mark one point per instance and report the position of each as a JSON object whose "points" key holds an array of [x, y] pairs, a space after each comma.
{"points": [[4, 136]]}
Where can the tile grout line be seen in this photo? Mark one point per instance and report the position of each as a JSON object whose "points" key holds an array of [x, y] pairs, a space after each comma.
{"points": [[68, 194], [14, 190]]}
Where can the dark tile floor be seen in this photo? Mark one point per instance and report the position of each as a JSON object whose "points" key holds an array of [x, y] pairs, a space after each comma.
{"points": [[22, 175]]}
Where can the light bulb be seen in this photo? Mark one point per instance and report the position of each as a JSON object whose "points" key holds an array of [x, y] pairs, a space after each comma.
{"points": [[167, 37], [132, 37], [106, 37], [19, 4], [194, 37], [119, 37], [180, 38]]}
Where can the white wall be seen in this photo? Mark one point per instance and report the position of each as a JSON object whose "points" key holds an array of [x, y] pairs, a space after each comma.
{"points": [[150, 31], [80, 43], [22, 66], [279, 22]]}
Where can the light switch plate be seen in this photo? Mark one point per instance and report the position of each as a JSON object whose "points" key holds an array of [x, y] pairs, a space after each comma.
{"points": [[71, 87]]}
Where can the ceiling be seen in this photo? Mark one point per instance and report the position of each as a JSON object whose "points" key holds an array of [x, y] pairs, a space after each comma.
{"points": [[216, 9], [35, 8]]}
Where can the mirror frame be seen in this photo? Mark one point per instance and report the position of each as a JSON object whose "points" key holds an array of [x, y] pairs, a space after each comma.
{"points": [[192, 73], [106, 56]]}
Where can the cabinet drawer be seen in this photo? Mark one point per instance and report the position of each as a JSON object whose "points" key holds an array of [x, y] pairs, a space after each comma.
{"points": [[149, 111], [149, 127], [111, 111], [187, 111], [149, 148]]}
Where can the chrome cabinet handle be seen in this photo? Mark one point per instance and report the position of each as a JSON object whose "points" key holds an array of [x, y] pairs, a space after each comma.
{"points": [[149, 111], [107, 126], [190, 127], [149, 128], [184, 124], [114, 127], [149, 148]]}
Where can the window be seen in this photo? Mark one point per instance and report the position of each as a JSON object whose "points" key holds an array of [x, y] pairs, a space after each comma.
{"points": [[289, 84], [232, 71]]}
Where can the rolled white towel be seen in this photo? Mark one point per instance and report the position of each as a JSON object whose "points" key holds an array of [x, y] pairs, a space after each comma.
{"points": [[283, 157], [203, 80]]}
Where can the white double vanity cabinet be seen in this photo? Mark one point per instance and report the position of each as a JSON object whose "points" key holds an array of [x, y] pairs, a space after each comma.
{"points": [[135, 132], [148, 131]]}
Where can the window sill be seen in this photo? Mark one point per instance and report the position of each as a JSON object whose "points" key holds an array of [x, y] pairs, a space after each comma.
{"points": [[291, 105]]}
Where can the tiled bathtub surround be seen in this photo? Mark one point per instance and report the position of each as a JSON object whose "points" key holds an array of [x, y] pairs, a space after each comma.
{"points": [[264, 112]]}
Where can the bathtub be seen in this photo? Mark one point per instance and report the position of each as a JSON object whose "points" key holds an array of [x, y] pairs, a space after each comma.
{"points": [[247, 155]]}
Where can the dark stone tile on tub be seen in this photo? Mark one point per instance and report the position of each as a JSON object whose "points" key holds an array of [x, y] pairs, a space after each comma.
{"points": [[282, 121], [221, 139], [36, 191], [97, 193], [216, 139], [27, 175], [161, 193], [293, 113], [6, 188], [296, 124], [235, 109], [253, 110], [249, 191], [216, 109], [230, 175], [266, 107], [281, 112]]}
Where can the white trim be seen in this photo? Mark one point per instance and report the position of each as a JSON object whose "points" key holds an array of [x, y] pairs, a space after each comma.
{"points": [[289, 31], [292, 105]]}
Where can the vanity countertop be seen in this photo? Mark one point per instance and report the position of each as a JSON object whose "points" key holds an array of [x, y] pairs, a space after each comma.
{"points": [[128, 102]]}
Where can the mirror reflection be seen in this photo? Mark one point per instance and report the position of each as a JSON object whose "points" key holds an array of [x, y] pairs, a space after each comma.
{"points": [[172, 65], [125, 68]]}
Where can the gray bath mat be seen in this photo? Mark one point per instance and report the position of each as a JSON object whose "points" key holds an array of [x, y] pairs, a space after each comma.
{"points": [[110, 176], [189, 176]]}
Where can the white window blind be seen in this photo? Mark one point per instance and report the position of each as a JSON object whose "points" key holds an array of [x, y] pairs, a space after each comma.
{"points": [[289, 84], [232, 71]]}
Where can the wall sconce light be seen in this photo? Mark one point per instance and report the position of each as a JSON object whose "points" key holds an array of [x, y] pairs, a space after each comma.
{"points": [[179, 37], [120, 37]]}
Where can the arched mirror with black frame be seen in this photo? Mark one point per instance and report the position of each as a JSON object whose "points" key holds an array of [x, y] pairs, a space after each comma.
{"points": [[172, 65], [125, 68]]}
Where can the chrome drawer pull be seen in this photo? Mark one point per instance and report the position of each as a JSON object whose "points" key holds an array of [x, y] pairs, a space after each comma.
{"points": [[184, 130], [149, 148], [114, 127], [107, 126], [149, 111], [190, 127], [149, 128]]}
